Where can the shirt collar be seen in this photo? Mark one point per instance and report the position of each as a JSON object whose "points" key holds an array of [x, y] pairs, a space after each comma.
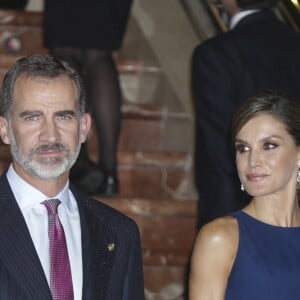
{"points": [[22, 189], [240, 15]]}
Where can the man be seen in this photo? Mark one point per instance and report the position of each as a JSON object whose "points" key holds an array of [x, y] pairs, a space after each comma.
{"points": [[259, 52], [43, 120]]}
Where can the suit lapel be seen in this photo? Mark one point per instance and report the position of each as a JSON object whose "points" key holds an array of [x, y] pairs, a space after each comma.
{"points": [[97, 254], [17, 251]]}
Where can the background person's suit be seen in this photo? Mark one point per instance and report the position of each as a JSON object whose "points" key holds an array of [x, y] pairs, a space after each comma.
{"points": [[110, 252], [259, 53]]}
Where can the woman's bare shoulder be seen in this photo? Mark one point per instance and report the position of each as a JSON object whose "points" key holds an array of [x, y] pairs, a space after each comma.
{"points": [[219, 236], [221, 230]]}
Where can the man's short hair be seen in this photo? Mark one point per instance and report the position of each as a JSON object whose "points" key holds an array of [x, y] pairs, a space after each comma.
{"points": [[38, 66]]}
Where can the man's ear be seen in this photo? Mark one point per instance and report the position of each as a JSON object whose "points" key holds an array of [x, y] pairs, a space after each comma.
{"points": [[4, 130], [86, 121]]}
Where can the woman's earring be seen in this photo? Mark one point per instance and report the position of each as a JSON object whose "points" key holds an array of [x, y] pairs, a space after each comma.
{"points": [[243, 188], [298, 177]]}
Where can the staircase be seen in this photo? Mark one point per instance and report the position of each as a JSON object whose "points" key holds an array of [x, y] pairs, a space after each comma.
{"points": [[154, 163]]}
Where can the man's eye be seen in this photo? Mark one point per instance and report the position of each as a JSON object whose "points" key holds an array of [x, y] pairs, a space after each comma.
{"points": [[31, 118], [241, 148], [65, 117]]}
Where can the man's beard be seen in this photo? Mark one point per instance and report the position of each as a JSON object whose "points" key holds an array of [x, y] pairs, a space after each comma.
{"points": [[49, 168]]}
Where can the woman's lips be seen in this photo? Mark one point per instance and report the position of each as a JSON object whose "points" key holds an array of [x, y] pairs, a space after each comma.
{"points": [[256, 177]]}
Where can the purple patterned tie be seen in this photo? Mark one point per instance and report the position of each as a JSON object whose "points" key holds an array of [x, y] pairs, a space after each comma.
{"points": [[60, 274]]}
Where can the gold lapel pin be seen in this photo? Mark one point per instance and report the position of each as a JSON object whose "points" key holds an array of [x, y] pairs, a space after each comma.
{"points": [[111, 246]]}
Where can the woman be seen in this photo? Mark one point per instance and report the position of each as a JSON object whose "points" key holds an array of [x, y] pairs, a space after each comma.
{"points": [[13, 4], [86, 34], [255, 253]]}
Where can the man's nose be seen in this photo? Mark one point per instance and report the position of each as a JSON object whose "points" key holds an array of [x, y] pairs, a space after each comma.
{"points": [[50, 131]]}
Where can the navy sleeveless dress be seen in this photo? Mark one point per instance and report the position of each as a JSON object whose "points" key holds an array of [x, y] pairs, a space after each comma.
{"points": [[267, 265]]}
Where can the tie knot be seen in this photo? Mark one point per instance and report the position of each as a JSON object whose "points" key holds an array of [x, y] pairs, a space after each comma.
{"points": [[51, 205]]}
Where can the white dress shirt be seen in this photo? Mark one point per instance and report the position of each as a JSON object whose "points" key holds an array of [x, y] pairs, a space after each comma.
{"points": [[241, 15], [29, 200]]}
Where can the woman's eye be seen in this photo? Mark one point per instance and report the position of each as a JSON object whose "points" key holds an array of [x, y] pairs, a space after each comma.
{"points": [[269, 146], [241, 148]]}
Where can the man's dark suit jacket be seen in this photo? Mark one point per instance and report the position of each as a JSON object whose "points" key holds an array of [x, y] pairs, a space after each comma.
{"points": [[260, 53], [111, 254]]}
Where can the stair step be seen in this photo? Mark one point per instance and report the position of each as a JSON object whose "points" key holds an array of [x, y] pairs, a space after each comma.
{"points": [[155, 175], [141, 130], [165, 175], [165, 282], [21, 18]]}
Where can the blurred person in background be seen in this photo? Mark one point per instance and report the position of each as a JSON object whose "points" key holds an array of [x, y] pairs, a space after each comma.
{"points": [[258, 52], [86, 33]]}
